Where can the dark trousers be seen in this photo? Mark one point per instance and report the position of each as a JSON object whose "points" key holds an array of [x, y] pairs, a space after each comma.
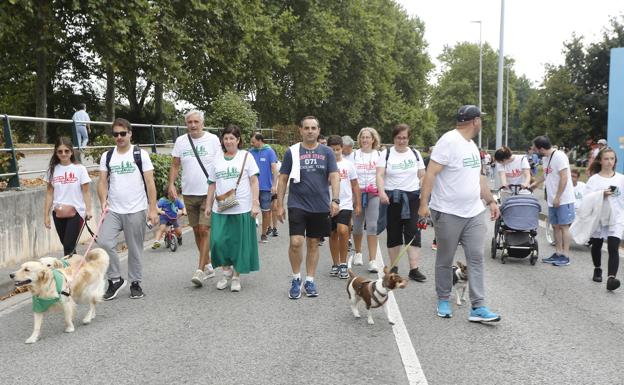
{"points": [[68, 230]]}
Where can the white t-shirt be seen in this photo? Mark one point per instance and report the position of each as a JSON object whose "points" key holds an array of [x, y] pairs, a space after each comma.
{"points": [[193, 178], [350, 157], [616, 200], [225, 173], [366, 167], [487, 159], [552, 166], [126, 191], [67, 182], [579, 191], [347, 173], [457, 188], [513, 170], [402, 169]]}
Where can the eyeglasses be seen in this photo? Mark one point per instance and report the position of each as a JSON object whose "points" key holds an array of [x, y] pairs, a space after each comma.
{"points": [[63, 151], [122, 133]]}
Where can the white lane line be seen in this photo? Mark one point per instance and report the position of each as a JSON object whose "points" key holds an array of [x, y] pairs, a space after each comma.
{"points": [[413, 370]]}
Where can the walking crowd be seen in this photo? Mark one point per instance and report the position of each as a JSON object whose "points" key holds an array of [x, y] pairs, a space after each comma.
{"points": [[334, 192]]}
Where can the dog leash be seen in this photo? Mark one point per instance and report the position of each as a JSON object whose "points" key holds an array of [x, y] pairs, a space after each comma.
{"points": [[403, 251], [93, 238]]}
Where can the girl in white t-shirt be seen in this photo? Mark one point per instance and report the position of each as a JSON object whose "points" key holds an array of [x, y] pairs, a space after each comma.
{"points": [[234, 243], [68, 191], [604, 178], [512, 169], [398, 181]]}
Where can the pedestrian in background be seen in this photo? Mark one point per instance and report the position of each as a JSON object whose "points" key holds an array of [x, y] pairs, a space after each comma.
{"points": [[266, 160], [82, 129], [67, 195], [347, 148], [512, 169]]}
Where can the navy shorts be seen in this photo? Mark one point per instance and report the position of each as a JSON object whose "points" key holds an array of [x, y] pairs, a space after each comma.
{"points": [[265, 200], [165, 220], [311, 225], [343, 217]]}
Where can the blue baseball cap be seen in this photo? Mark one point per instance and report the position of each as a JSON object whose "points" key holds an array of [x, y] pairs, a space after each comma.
{"points": [[468, 112]]}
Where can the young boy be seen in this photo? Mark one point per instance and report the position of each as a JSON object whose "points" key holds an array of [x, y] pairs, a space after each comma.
{"points": [[579, 188], [168, 209], [349, 199]]}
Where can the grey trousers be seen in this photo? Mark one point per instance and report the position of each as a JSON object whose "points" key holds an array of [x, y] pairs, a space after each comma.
{"points": [[449, 230], [133, 225]]}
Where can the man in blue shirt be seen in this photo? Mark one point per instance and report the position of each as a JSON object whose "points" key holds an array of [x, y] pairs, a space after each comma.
{"points": [[266, 159], [82, 129]]}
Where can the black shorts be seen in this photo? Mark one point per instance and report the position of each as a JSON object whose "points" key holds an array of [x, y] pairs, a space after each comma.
{"points": [[401, 231], [343, 217], [311, 225]]}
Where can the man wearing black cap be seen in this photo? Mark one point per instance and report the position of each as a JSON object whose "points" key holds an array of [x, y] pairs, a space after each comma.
{"points": [[456, 187]]}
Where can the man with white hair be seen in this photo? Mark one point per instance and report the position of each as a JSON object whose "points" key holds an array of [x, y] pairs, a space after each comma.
{"points": [[347, 148], [195, 152]]}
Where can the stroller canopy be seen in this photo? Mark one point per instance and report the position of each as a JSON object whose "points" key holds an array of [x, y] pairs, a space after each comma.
{"points": [[521, 212]]}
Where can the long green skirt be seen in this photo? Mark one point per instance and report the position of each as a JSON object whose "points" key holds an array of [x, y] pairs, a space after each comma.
{"points": [[233, 242]]}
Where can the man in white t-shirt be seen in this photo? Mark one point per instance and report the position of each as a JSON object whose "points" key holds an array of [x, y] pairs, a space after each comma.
{"points": [[347, 148], [559, 196], [195, 184], [125, 193], [456, 187]]}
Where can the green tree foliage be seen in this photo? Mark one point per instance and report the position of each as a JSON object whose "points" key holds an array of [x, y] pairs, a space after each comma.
{"points": [[231, 108]]}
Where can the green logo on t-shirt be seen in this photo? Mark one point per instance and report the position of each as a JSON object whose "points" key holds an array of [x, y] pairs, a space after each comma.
{"points": [[407, 163], [201, 151], [126, 167], [229, 173], [472, 162]]}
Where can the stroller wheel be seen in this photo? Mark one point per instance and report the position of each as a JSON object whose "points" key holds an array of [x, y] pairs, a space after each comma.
{"points": [[504, 258], [533, 260], [493, 247]]}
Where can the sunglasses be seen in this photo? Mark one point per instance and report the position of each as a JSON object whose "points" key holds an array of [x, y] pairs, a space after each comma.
{"points": [[122, 133], [63, 151]]}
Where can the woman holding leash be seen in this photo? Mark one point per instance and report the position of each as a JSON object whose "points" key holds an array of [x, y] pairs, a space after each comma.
{"points": [[233, 204], [399, 171], [604, 178], [68, 191]]}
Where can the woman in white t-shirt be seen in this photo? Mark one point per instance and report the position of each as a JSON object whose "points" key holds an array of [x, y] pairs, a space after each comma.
{"points": [[604, 178], [68, 191], [365, 161], [234, 244], [512, 169], [399, 171]]}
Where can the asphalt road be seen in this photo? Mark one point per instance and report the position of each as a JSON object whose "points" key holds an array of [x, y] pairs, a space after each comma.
{"points": [[558, 327]]}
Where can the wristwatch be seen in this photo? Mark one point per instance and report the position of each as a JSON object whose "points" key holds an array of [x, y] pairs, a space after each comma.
{"points": [[336, 201]]}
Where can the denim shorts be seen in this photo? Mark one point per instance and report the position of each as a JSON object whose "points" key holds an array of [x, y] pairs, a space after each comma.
{"points": [[562, 215], [265, 200]]}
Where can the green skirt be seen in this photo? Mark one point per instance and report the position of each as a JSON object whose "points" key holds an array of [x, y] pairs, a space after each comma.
{"points": [[233, 242]]}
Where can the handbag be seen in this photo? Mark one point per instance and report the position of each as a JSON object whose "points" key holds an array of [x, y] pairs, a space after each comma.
{"points": [[228, 199], [65, 211]]}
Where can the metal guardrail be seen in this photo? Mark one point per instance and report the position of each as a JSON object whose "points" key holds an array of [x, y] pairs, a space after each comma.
{"points": [[10, 147]]}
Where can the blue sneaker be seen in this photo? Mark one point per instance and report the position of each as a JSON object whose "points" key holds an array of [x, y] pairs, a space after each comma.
{"points": [[444, 309], [310, 289], [562, 260], [551, 259], [483, 314], [295, 289]]}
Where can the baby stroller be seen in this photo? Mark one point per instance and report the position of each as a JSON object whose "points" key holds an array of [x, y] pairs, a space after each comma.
{"points": [[515, 232]]}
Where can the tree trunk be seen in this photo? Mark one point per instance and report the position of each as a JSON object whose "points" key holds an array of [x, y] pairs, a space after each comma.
{"points": [[110, 93], [158, 103], [41, 82]]}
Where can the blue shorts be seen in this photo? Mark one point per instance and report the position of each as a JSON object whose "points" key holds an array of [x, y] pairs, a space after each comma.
{"points": [[265, 200], [562, 215], [165, 220]]}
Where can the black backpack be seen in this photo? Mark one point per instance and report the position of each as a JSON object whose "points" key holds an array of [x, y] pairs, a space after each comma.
{"points": [[136, 154]]}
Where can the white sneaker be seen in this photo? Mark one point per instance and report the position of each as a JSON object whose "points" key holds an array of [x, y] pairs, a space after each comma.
{"points": [[209, 271], [198, 278], [235, 285], [357, 259], [222, 283], [372, 266]]}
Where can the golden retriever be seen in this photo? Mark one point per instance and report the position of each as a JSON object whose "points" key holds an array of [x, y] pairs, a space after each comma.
{"points": [[82, 283]]}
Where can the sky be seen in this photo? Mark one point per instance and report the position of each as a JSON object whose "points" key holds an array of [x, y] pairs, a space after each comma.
{"points": [[535, 30]]}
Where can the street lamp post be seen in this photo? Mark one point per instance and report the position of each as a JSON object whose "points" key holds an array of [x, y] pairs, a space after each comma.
{"points": [[480, 72], [508, 68], [499, 92]]}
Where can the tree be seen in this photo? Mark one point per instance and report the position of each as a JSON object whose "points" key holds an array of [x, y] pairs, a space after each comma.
{"points": [[232, 108]]}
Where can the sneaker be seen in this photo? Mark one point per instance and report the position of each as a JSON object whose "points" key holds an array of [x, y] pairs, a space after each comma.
{"points": [[180, 241], [295, 289], [310, 289], [268, 232], [321, 241], [113, 289], [343, 274], [612, 283], [395, 270], [372, 266], [264, 239], [208, 271], [434, 246], [235, 285], [198, 278], [136, 291], [349, 245], [156, 245], [551, 259], [444, 309], [222, 283], [334, 271], [483, 314], [562, 260], [274, 232], [597, 274], [416, 275], [357, 259]]}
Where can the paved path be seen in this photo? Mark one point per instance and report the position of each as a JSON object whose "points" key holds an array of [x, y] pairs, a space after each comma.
{"points": [[558, 327]]}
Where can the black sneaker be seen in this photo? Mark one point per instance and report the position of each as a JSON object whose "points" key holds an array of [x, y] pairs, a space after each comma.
{"points": [[113, 289], [136, 291], [597, 274], [274, 232], [179, 241], [612, 283], [416, 275], [395, 270], [268, 232], [321, 241]]}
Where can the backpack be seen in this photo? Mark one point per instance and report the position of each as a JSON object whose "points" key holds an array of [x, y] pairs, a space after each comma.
{"points": [[136, 153], [411, 148]]}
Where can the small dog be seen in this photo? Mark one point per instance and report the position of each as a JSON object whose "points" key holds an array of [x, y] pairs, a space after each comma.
{"points": [[56, 287], [460, 281], [373, 293]]}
